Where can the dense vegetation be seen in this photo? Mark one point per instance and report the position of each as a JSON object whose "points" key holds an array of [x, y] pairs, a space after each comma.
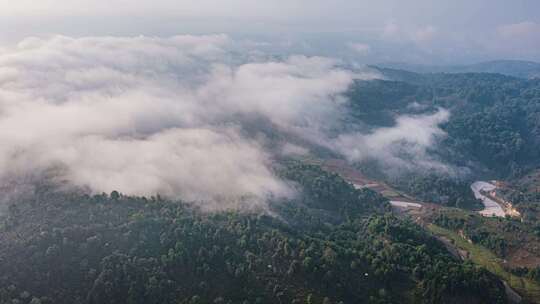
{"points": [[503, 236], [60, 247], [493, 130], [330, 244], [514, 68], [495, 119], [440, 189], [524, 195]]}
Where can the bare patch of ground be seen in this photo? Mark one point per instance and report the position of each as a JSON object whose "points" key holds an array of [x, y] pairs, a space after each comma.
{"points": [[522, 258]]}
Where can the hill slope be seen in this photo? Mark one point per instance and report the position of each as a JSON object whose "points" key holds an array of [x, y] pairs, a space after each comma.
{"points": [[65, 248]]}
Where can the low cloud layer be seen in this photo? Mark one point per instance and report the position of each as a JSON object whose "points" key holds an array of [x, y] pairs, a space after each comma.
{"points": [[167, 115], [404, 146], [154, 115]]}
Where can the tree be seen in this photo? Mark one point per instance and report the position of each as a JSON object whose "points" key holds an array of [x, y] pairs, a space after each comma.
{"points": [[115, 195]]}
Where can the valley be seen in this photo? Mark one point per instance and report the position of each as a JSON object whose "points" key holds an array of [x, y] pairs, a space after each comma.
{"points": [[391, 208], [518, 289], [269, 152], [399, 199]]}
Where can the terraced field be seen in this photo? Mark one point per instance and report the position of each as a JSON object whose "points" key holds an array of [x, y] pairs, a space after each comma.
{"points": [[528, 289]]}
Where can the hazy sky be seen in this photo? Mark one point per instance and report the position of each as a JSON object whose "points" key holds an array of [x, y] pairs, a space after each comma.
{"points": [[367, 31]]}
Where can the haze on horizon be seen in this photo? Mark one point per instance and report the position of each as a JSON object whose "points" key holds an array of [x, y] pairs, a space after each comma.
{"points": [[417, 31]]}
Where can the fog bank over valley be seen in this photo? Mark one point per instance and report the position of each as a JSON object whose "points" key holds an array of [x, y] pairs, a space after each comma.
{"points": [[146, 115]]}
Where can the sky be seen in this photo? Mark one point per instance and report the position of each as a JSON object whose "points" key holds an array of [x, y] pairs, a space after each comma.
{"points": [[419, 31]]}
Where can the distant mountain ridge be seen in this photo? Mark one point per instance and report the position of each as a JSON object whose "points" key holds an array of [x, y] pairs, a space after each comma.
{"points": [[514, 68]]}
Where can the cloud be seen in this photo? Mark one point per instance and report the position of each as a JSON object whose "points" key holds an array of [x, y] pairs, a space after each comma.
{"points": [[182, 116], [156, 115], [360, 48], [462, 34], [203, 165], [404, 146]]}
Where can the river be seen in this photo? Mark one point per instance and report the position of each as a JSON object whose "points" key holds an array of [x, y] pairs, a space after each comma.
{"points": [[491, 208], [405, 205]]}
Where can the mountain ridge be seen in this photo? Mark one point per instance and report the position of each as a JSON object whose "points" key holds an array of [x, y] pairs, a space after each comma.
{"points": [[514, 68]]}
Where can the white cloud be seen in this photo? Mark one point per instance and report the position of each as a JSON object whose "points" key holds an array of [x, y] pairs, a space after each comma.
{"points": [[360, 48], [460, 30], [147, 115], [155, 115], [199, 164], [403, 146]]}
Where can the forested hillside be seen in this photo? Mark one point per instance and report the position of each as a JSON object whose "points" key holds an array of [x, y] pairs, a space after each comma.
{"points": [[495, 119], [494, 123], [256, 152], [333, 244], [514, 68], [330, 243]]}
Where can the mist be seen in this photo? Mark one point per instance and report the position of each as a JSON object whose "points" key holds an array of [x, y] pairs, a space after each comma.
{"points": [[406, 146], [147, 115], [418, 31]]}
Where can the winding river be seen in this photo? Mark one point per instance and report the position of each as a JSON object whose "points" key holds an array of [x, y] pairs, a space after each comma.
{"points": [[491, 208], [405, 205]]}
